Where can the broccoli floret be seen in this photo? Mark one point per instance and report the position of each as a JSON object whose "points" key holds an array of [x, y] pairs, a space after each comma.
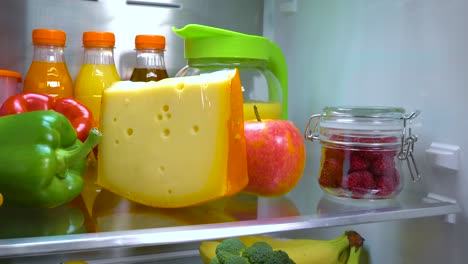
{"points": [[278, 257], [262, 245], [228, 248], [236, 260], [257, 253], [214, 261]]}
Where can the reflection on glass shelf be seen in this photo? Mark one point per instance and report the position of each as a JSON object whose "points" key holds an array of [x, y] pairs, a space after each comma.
{"points": [[332, 205], [24, 222], [117, 222], [114, 213]]}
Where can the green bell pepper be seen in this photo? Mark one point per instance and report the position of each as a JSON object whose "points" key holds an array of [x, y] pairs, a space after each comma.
{"points": [[41, 159]]}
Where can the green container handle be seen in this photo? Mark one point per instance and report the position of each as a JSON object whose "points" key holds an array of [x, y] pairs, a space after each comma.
{"points": [[277, 65], [210, 42]]}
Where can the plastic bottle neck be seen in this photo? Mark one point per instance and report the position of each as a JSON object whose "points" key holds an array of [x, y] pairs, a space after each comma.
{"points": [[98, 55], [226, 63], [48, 53], [150, 59]]}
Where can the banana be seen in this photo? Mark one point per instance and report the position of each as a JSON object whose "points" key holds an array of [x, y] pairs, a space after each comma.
{"points": [[318, 251], [207, 250], [302, 251], [354, 254]]}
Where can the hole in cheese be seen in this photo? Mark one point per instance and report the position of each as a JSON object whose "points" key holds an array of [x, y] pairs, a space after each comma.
{"points": [[162, 169], [117, 141], [195, 129], [165, 108], [115, 119], [129, 131], [168, 115], [160, 117], [169, 191], [180, 86], [166, 132]]}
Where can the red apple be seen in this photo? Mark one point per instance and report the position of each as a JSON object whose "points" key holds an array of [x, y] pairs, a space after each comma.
{"points": [[275, 156]]}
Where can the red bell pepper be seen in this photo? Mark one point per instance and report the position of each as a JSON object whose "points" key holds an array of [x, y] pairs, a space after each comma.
{"points": [[79, 115]]}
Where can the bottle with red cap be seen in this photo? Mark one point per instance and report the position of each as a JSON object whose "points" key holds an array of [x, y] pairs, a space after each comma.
{"points": [[48, 72], [150, 58], [98, 71]]}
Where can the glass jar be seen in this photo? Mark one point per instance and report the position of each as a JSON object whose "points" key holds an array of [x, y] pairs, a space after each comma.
{"points": [[260, 87], [261, 64], [363, 149]]}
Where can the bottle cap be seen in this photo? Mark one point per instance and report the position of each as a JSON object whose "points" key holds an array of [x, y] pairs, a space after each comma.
{"points": [[98, 39], [150, 42], [7, 73], [43, 36]]}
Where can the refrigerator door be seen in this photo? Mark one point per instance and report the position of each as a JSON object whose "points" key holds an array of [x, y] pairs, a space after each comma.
{"points": [[409, 54]]}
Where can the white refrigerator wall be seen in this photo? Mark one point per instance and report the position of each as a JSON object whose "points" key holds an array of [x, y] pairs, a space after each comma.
{"points": [[408, 53]]}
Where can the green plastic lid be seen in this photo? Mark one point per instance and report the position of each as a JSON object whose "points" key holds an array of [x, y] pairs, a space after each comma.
{"points": [[210, 42]]}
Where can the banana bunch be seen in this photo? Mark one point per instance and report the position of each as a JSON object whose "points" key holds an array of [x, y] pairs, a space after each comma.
{"points": [[354, 254], [344, 249]]}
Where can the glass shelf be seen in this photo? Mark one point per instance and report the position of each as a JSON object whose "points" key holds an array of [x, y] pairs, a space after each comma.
{"points": [[116, 222]]}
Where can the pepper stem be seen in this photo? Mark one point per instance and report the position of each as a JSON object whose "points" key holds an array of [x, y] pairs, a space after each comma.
{"points": [[71, 156], [257, 115]]}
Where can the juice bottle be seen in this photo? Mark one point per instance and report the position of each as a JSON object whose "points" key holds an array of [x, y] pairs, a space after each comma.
{"points": [[150, 58], [266, 110], [98, 70], [48, 72], [9, 84]]}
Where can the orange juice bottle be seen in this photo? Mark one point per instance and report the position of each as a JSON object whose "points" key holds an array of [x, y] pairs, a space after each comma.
{"points": [[48, 72], [98, 70], [266, 110]]}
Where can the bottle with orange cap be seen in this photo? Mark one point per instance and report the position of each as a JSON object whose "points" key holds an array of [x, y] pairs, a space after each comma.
{"points": [[150, 58], [9, 84], [98, 70], [48, 72]]}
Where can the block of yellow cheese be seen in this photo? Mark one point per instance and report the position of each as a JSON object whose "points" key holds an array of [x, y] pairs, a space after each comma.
{"points": [[173, 143]]}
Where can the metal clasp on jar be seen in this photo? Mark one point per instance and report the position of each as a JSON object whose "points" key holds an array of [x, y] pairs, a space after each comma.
{"points": [[406, 146], [312, 134]]}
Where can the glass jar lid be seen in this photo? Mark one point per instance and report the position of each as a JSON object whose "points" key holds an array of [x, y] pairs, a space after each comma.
{"points": [[371, 119], [374, 111]]}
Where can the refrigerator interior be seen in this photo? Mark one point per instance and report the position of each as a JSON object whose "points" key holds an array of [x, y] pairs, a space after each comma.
{"points": [[408, 53]]}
